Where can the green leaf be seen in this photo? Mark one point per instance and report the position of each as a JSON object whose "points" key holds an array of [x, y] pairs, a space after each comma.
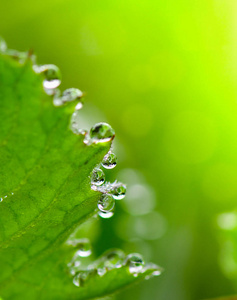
{"points": [[45, 193]]}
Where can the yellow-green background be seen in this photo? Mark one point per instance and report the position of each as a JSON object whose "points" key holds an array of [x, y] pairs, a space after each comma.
{"points": [[164, 75]]}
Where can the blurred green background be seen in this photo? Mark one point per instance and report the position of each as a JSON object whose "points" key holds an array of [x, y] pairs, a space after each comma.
{"points": [[164, 75]]}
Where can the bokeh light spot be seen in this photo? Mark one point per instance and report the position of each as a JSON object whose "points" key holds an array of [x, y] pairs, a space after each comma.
{"points": [[140, 199], [151, 226], [227, 221]]}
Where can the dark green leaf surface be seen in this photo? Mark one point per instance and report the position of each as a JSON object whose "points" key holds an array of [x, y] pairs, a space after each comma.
{"points": [[45, 193]]}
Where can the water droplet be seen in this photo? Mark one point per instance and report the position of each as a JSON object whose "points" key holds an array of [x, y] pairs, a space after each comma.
{"points": [[79, 106], [156, 270], [135, 262], [52, 75], [74, 267], [3, 45], [119, 191], [97, 177], [84, 247], [101, 271], [68, 95], [101, 133], [114, 259], [82, 276], [106, 203], [109, 161], [105, 215], [71, 95], [76, 280]]}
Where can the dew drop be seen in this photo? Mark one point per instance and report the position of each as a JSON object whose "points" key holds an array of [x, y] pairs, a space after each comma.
{"points": [[68, 95], [74, 266], [114, 259], [82, 276], [97, 177], [105, 215], [101, 271], [84, 248], [156, 270], [57, 101], [71, 95], [79, 106], [101, 133], [76, 280], [52, 75], [119, 191], [109, 161], [106, 203], [135, 262], [3, 45]]}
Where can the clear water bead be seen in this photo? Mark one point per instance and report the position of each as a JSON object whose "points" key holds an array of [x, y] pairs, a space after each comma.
{"points": [[79, 106], [135, 262], [119, 191], [52, 75], [74, 267], [106, 203], [101, 133], [84, 247], [109, 161], [81, 277], [114, 259], [3, 45], [156, 270], [105, 215], [97, 177], [71, 95], [101, 271]]}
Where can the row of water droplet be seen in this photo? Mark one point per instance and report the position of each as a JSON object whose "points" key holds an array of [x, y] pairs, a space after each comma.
{"points": [[112, 259], [109, 191], [99, 133]]}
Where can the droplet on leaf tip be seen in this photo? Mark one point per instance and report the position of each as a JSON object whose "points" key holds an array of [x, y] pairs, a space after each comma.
{"points": [[106, 203], [119, 191], [105, 215], [109, 160], [101, 133], [97, 177], [52, 75], [135, 263]]}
